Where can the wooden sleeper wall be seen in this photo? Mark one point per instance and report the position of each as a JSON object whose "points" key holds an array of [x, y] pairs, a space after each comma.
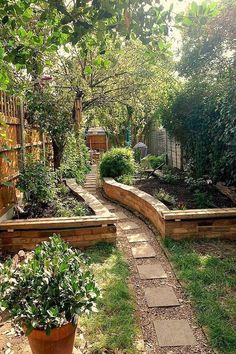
{"points": [[177, 224]]}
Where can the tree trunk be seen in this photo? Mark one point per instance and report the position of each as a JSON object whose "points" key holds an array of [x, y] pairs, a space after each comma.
{"points": [[57, 155]]}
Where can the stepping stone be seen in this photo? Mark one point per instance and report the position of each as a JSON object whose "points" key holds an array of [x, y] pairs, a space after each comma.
{"points": [[120, 215], [151, 271], [174, 333], [109, 206], [137, 238], [128, 225], [143, 251], [161, 297]]}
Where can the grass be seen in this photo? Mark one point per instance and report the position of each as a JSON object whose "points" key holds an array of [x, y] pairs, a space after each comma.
{"points": [[114, 328], [209, 275]]}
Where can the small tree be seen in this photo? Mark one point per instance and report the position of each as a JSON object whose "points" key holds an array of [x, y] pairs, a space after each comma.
{"points": [[51, 109]]}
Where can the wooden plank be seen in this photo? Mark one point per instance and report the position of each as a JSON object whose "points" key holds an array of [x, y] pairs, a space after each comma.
{"points": [[198, 213], [56, 223], [229, 192], [67, 232]]}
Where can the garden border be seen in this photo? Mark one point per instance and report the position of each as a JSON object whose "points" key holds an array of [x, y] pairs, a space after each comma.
{"points": [[177, 224], [81, 232]]}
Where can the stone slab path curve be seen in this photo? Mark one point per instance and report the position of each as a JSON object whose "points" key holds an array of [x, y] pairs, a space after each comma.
{"points": [[166, 316]]}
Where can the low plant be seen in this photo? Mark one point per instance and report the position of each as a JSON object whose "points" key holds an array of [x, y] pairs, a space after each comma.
{"points": [[164, 197], [37, 181], [169, 178], [155, 161], [195, 184], [117, 162], [202, 199], [181, 206], [51, 288], [126, 179]]}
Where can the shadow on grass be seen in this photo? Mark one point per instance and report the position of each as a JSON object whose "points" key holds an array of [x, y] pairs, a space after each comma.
{"points": [[210, 280], [114, 327]]}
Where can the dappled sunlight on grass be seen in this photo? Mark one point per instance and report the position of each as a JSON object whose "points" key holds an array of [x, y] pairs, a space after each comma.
{"points": [[114, 326], [210, 280]]}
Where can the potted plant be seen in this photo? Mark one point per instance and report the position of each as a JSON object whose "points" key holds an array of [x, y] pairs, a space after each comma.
{"points": [[47, 292]]}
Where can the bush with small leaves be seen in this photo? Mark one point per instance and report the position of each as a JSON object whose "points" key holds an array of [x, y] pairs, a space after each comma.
{"points": [[49, 289], [117, 162], [202, 200], [156, 161], [37, 181]]}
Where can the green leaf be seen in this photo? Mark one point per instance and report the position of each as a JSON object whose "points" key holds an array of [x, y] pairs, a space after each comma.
{"points": [[88, 70], [28, 13], [187, 21]]}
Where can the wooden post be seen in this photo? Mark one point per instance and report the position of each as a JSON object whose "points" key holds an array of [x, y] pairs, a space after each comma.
{"points": [[22, 133]]}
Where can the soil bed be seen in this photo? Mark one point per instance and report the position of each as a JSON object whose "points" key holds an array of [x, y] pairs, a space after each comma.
{"points": [[65, 204], [185, 198]]}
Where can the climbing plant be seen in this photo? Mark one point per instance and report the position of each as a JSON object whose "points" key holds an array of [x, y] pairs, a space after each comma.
{"points": [[202, 114]]}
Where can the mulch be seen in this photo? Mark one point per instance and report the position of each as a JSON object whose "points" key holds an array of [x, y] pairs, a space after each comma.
{"points": [[182, 193]]}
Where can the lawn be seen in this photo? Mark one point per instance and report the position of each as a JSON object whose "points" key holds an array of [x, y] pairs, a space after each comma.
{"points": [[208, 270], [114, 328]]}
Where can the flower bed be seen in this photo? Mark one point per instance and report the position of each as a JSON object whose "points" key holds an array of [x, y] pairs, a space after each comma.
{"points": [[177, 224], [80, 231]]}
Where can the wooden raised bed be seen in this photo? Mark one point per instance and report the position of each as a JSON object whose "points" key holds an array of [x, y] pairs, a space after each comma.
{"points": [[177, 224], [80, 232]]}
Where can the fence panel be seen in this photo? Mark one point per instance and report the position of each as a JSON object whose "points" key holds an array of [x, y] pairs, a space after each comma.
{"points": [[160, 143], [19, 136]]}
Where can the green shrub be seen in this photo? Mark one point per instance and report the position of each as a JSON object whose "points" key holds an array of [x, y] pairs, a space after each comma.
{"points": [[117, 162], [169, 178], [76, 159], [202, 199], [37, 182], [195, 184], [155, 161], [49, 289], [126, 179]]}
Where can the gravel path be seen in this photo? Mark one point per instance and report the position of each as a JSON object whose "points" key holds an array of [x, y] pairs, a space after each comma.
{"points": [[148, 315]]}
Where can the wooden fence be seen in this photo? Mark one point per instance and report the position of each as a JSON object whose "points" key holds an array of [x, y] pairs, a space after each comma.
{"points": [[159, 143], [21, 139]]}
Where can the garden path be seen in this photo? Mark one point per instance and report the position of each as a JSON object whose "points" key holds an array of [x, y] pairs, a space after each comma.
{"points": [[166, 315]]}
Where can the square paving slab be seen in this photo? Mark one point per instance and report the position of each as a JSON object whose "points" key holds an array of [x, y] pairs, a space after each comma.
{"points": [[174, 333], [121, 215], [137, 238], [161, 297], [151, 271], [109, 206], [143, 251], [128, 225]]}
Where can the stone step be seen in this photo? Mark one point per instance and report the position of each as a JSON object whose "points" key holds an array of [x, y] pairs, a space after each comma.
{"points": [[163, 296], [151, 271], [137, 238], [143, 251], [120, 215], [128, 225], [174, 333]]}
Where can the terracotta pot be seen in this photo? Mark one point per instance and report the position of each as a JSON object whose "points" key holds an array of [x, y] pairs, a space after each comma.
{"points": [[60, 341]]}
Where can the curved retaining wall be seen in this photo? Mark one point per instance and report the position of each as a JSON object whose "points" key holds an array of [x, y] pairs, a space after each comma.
{"points": [[137, 200], [177, 224]]}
